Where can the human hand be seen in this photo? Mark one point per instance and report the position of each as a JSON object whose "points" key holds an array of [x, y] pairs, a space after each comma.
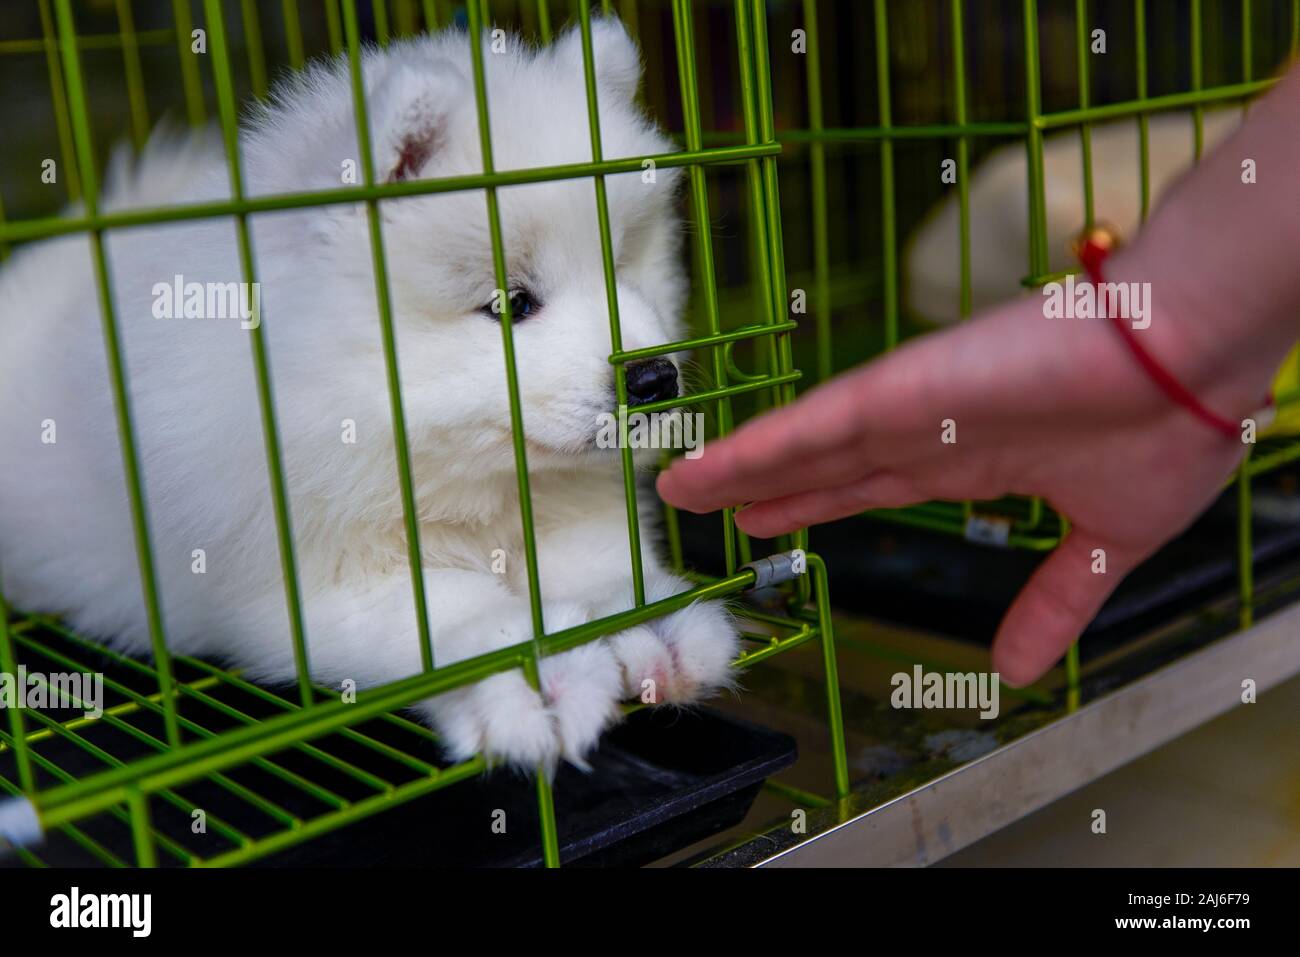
{"points": [[1056, 408]]}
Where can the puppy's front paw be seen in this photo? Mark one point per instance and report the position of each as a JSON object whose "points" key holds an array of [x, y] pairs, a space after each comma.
{"points": [[501, 717], [680, 658], [582, 689]]}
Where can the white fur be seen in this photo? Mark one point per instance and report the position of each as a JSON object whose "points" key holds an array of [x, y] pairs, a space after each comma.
{"points": [[65, 535]]}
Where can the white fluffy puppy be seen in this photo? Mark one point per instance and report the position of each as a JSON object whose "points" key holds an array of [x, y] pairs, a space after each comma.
{"points": [[66, 543]]}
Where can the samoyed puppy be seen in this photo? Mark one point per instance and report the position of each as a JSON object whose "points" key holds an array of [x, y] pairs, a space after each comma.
{"points": [[66, 537]]}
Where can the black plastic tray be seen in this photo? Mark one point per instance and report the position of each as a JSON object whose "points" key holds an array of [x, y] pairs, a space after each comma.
{"points": [[659, 782]]}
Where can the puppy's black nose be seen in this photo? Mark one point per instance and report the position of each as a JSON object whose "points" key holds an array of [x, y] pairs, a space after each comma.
{"points": [[651, 380]]}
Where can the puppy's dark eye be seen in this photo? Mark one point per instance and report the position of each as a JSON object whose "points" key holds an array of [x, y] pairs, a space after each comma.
{"points": [[522, 305]]}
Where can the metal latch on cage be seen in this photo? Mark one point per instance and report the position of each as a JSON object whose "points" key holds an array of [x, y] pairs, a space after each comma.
{"points": [[20, 826], [778, 568], [988, 530]]}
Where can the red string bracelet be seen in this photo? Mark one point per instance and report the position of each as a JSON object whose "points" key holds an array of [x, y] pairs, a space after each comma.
{"points": [[1092, 249]]}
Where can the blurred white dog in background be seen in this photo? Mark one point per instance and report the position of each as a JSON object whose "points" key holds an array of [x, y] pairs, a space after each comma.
{"points": [[999, 208]]}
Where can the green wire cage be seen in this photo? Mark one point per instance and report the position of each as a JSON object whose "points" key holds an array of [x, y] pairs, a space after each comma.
{"points": [[811, 134], [178, 722]]}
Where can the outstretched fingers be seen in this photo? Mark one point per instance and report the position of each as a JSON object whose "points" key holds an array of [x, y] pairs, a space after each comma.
{"points": [[778, 516], [836, 435], [1055, 606]]}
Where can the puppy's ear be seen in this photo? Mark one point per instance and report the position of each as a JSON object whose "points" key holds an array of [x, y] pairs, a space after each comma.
{"points": [[409, 111], [616, 55]]}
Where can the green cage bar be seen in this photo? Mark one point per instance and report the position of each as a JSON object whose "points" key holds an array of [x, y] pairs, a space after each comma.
{"points": [[190, 79], [117, 368], [611, 299], [410, 510], [545, 800], [265, 395], [888, 215], [817, 186]]}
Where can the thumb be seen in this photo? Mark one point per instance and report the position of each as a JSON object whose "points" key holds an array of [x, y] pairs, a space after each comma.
{"points": [[1055, 606]]}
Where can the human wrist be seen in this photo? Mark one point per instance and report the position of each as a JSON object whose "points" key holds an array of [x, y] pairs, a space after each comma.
{"points": [[1219, 254], [1223, 345]]}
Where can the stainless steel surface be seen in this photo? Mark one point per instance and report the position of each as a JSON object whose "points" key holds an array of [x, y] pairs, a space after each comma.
{"points": [[970, 802]]}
